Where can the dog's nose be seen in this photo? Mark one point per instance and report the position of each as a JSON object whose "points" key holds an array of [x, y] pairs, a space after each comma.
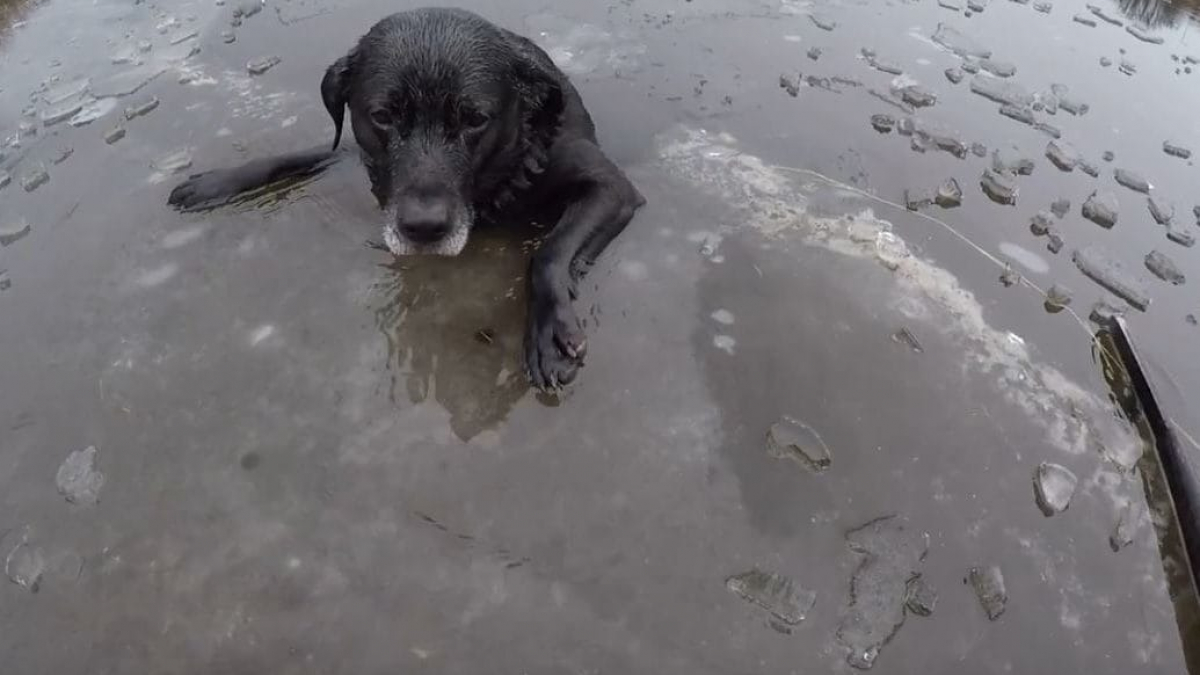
{"points": [[424, 220]]}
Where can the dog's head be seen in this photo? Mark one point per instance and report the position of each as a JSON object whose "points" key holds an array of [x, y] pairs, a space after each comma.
{"points": [[450, 113]]}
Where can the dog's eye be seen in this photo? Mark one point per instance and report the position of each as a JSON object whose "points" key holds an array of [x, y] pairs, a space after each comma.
{"points": [[474, 120], [381, 118]]}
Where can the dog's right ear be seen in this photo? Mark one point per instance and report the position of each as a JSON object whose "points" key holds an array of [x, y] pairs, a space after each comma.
{"points": [[335, 92]]}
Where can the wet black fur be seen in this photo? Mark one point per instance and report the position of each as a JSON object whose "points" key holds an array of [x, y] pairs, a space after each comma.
{"points": [[417, 86]]}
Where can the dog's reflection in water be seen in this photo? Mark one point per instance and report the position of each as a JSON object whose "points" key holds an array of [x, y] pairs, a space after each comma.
{"points": [[454, 328]]}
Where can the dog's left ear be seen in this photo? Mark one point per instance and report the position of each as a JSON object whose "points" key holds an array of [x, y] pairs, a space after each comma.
{"points": [[541, 94], [335, 92], [539, 85]]}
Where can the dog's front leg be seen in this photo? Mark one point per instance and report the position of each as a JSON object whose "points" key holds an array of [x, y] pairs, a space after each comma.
{"points": [[603, 202]]}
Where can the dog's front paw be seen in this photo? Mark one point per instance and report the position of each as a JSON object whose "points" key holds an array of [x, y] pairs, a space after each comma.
{"points": [[554, 346], [204, 189]]}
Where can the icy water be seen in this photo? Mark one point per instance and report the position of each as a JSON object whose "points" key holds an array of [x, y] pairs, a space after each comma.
{"points": [[248, 441]]}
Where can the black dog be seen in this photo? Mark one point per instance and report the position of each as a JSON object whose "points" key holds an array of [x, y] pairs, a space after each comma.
{"points": [[458, 118]]}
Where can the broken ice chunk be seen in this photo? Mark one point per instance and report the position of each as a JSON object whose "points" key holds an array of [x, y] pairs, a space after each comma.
{"points": [[183, 36], [955, 75], [999, 186], [917, 96], [1160, 210], [1100, 12], [1072, 105], [1048, 129], [915, 199], [929, 133], [1060, 207], [891, 555], [93, 111], [1141, 34], [949, 194], [790, 438], [920, 597], [1122, 534], [25, 566], [890, 250], [78, 479], [790, 85], [11, 233], [262, 64], [1132, 180], [883, 123], [1041, 223], [1018, 113], [1102, 267], [891, 100], [35, 179], [1103, 313], [63, 92], [1176, 150], [143, 108], [1010, 159], [998, 68], [1181, 237], [247, 8], [52, 116], [1009, 277], [1101, 208], [1058, 297], [885, 66], [1063, 155], [776, 593], [62, 154], [1116, 443], [951, 38], [822, 22], [1001, 91], [905, 336], [1054, 243], [1164, 268], [989, 588]]}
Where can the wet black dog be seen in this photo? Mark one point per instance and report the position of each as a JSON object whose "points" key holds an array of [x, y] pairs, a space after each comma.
{"points": [[457, 118]]}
